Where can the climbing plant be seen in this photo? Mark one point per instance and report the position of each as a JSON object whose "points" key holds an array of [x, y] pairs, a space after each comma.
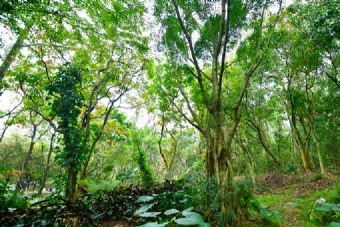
{"points": [[66, 102]]}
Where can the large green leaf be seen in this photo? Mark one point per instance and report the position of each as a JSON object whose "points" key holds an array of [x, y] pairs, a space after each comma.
{"points": [[189, 221], [334, 224], [154, 224], [171, 211], [149, 214], [187, 210], [145, 198], [191, 214], [323, 209], [204, 225], [144, 209]]}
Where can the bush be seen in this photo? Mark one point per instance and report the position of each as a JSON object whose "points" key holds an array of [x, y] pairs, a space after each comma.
{"points": [[11, 198], [325, 212], [101, 185], [170, 207]]}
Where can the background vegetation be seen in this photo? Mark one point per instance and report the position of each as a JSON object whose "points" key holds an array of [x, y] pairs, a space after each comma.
{"points": [[162, 113]]}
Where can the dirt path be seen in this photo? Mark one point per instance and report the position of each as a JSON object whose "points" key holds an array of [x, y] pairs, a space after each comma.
{"points": [[114, 223]]}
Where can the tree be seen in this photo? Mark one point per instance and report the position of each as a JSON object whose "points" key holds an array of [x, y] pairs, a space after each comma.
{"points": [[22, 18], [66, 105], [200, 31]]}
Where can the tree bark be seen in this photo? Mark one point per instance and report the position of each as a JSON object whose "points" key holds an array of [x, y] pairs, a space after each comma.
{"points": [[321, 162], [10, 57], [22, 183], [263, 137], [71, 185], [291, 112], [251, 166], [302, 148], [312, 129], [47, 166]]}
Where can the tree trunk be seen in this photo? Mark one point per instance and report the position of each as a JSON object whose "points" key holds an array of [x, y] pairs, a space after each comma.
{"points": [[71, 185], [251, 166], [322, 166], [10, 57], [297, 137], [302, 148], [311, 124], [83, 172], [218, 150], [47, 166], [22, 183], [263, 137], [174, 146]]}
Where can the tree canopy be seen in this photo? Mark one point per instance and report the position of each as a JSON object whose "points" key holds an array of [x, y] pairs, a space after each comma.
{"points": [[195, 100]]}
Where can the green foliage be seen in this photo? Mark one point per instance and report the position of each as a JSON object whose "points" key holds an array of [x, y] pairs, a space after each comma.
{"points": [[185, 218], [334, 224], [66, 104], [325, 212], [145, 170], [101, 185], [128, 175], [142, 161], [285, 65], [11, 199], [268, 216]]}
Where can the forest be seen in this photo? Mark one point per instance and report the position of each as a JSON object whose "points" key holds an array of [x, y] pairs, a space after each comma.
{"points": [[166, 113]]}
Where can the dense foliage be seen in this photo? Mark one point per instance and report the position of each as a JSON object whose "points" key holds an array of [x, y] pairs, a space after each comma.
{"points": [[166, 112]]}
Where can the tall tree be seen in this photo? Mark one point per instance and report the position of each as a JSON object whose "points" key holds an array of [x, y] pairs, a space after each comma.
{"points": [[198, 37], [67, 102]]}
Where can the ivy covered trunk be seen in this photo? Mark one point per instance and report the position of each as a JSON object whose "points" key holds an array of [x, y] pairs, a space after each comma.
{"points": [[67, 105], [71, 184]]}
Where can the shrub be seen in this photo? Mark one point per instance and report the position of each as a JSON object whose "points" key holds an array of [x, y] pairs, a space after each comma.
{"points": [[11, 198], [101, 185], [325, 212]]}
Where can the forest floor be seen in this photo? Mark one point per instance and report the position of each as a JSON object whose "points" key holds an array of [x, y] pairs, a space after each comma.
{"points": [[294, 197]]}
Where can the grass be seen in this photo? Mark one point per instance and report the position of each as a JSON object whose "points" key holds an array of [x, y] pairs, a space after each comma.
{"points": [[296, 210]]}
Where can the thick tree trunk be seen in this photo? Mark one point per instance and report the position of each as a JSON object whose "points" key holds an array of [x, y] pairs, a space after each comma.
{"points": [[218, 152], [305, 158], [70, 192]]}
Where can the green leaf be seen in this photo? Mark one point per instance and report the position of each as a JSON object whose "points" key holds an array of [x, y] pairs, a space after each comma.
{"points": [[205, 224], [154, 224], [323, 209], [189, 221], [191, 214], [149, 214], [171, 211], [187, 210], [334, 224], [144, 209], [145, 198], [336, 209]]}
